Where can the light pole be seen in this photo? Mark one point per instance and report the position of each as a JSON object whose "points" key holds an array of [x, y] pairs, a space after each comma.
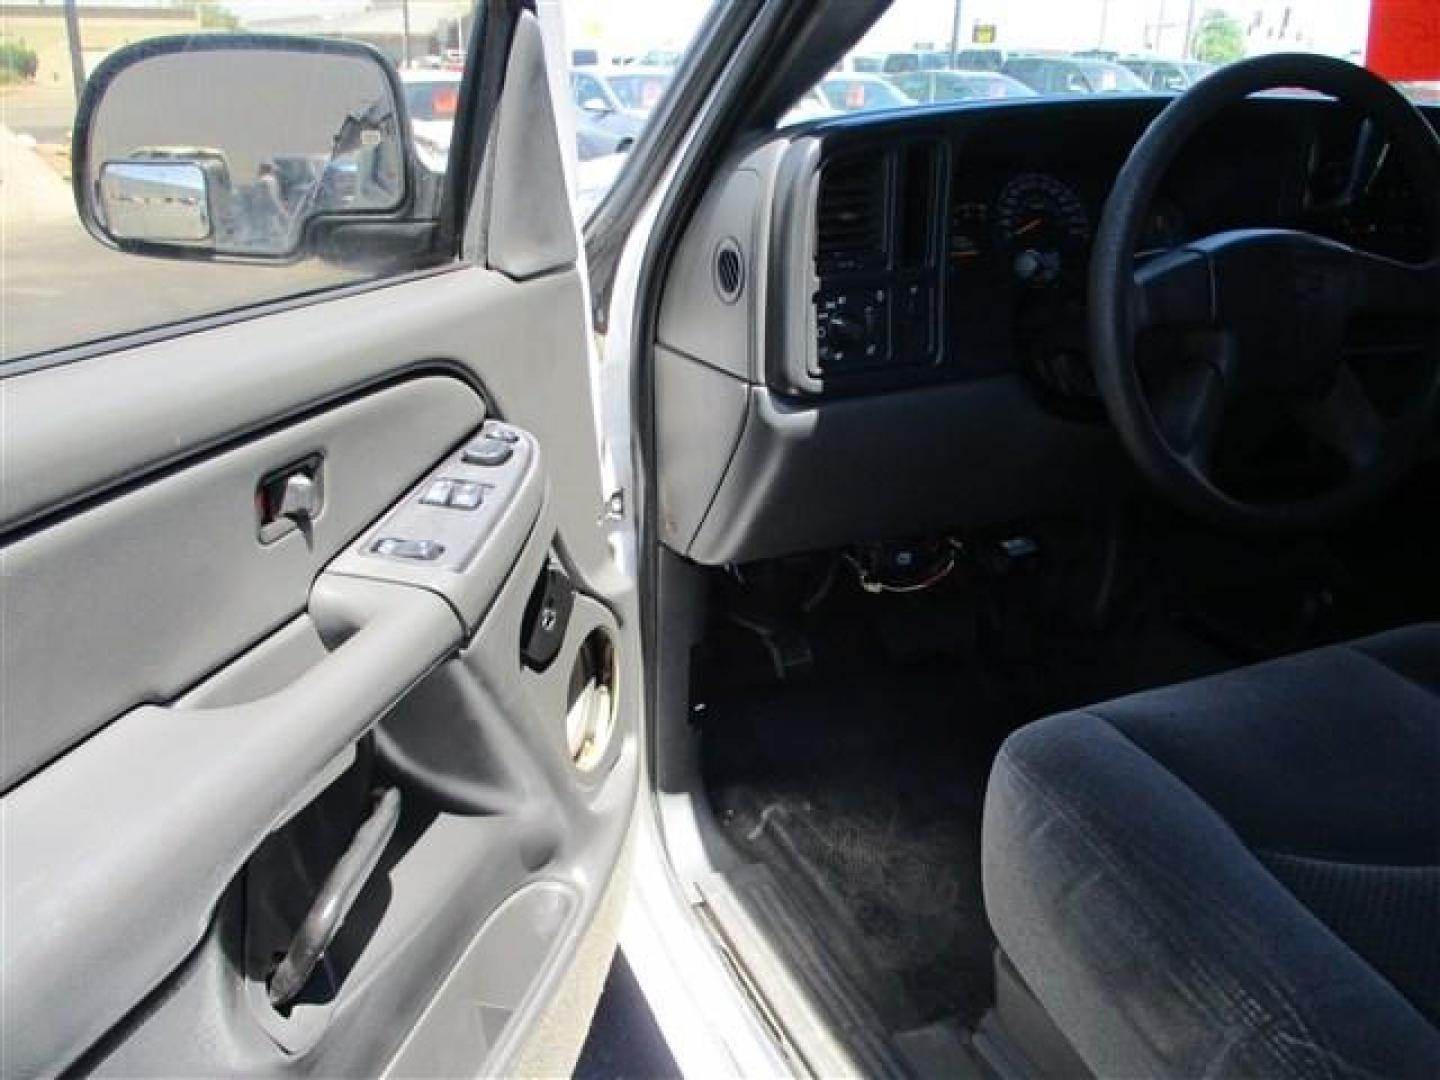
{"points": [[405, 31], [77, 56], [1160, 28], [1189, 31], [955, 35], [1104, 23]]}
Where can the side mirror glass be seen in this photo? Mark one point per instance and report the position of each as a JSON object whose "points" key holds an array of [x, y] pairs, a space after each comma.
{"points": [[239, 145]]}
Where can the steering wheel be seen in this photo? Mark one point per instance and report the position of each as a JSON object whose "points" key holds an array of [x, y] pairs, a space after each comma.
{"points": [[1263, 315]]}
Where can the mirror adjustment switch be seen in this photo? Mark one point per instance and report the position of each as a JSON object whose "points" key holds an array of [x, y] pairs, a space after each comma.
{"points": [[398, 548], [439, 493], [465, 495], [488, 451], [503, 434]]}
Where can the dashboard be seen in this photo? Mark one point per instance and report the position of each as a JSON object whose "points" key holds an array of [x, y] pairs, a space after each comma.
{"points": [[978, 243], [876, 326]]}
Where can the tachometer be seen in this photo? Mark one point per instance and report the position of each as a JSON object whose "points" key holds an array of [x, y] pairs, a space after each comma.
{"points": [[1043, 226]]}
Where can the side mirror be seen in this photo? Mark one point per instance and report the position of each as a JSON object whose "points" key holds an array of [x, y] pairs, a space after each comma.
{"points": [[242, 146], [596, 105]]}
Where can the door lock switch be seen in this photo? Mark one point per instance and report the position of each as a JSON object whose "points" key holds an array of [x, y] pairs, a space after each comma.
{"points": [[487, 451], [398, 548]]}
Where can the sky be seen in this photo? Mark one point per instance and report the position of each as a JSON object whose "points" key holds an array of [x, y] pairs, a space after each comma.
{"points": [[1334, 26], [1128, 25]]}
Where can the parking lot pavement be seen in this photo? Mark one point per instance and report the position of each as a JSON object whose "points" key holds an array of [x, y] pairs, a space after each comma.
{"points": [[61, 287], [42, 110]]}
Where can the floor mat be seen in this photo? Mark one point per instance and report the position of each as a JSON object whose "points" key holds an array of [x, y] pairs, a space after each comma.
{"points": [[861, 781], [866, 780]]}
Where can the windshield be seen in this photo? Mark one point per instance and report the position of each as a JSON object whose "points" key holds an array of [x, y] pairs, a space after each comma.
{"points": [[937, 50], [639, 93]]}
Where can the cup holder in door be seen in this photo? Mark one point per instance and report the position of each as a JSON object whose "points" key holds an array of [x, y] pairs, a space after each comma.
{"points": [[590, 717]]}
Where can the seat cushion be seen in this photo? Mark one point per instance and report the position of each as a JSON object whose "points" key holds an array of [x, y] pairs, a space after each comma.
{"points": [[1235, 876]]}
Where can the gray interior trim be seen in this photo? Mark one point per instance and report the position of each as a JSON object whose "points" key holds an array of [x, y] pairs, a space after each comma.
{"points": [[699, 429], [233, 382], [752, 463], [813, 476], [695, 318], [531, 230], [135, 599], [481, 545], [271, 666], [499, 726], [92, 866], [552, 1046], [489, 983]]}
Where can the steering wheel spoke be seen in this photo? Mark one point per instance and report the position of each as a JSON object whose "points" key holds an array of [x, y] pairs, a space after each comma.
{"points": [[1190, 409], [1379, 284], [1174, 290], [1346, 421]]}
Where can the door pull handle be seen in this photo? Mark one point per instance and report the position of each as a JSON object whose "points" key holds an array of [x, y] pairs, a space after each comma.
{"points": [[334, 900]]}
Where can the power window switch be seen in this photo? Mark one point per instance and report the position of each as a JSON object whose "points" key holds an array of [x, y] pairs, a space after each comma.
{"points": [[465, 495], [398, 548], [439, 493]]}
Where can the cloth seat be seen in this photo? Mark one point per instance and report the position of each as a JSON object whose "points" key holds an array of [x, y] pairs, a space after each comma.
{"points": [[1238, 876]]}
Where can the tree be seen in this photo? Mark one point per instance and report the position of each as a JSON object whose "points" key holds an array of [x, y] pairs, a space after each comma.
{"points": [[18, 62], [215, 16], [1219, 38]]}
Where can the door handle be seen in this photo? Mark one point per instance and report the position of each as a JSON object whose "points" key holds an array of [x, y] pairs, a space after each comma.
{"points": [[290, 498], [334, 900], [75, 883]]}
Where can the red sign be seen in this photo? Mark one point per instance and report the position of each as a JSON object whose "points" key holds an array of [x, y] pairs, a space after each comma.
{"points": [[1404, 40], [444, 100]]}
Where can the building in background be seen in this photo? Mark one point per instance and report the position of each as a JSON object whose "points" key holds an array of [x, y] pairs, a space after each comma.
{"points": [[438, 30], [106, 27]]}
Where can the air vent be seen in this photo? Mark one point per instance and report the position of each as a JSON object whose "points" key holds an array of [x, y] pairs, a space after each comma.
{"points": [[729, 271], [850, 220]]}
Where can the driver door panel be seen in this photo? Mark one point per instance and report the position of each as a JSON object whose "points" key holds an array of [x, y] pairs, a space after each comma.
{"points": [[200, 709]]}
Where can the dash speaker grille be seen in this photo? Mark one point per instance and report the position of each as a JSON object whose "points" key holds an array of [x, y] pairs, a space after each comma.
{"points": [[729, 271]]}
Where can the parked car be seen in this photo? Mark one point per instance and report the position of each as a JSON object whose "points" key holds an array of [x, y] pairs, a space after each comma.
{"points": [[916, 60], [872, 63], [661, 58], [986, 58], [811, 106], [596, 136], [930, 86], [1068, 75], [612, 105], [633, 89], [861, 92], [1167, 76], [431, 98]]}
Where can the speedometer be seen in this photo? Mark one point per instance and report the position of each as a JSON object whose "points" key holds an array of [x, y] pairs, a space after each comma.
{"points": [[1043, 226]]}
